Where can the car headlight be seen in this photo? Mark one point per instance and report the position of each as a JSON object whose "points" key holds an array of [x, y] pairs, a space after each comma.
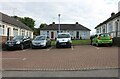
{"points": [[18, 42], [43, 43]]}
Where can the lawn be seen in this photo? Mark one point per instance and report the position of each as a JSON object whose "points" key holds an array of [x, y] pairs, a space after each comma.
{"points": [[77, 42]]}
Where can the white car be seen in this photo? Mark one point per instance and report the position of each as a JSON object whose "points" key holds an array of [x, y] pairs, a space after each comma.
{"points": [[63, 39]]}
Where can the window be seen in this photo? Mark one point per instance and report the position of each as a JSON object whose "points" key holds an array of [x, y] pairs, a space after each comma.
{"points": [[110, 28], [71, 33], [63, 36], [2, 29], [40, 38], [100, 30], [47, 33], [30, 34], [84, 33], [23, 33], [97, 30], [27, 34], [15, 32], [103, 29]]}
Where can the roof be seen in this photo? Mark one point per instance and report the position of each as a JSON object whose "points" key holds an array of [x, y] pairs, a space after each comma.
{"points": [[109, 19], [65, 27], [10, 20]]}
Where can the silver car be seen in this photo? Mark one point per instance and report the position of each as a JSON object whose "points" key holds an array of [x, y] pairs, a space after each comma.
{"points": [[41, 41]]}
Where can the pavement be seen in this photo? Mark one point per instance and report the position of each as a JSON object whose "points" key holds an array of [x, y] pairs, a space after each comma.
{"points": [[77, 58], [90, 73]]}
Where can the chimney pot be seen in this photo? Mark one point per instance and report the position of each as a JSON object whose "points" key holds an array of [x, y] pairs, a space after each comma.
{"points": [[53, 23], [77, 23], [112, 14]]}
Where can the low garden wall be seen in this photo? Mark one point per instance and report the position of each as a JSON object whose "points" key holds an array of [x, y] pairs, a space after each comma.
{"points": [[116, 41]]}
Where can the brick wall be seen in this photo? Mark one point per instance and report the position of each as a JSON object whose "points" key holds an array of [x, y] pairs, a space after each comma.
{"points": [[3, 39]]}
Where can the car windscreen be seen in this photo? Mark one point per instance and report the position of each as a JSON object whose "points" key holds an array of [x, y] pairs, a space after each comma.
{"points": [[104, 35], [40, 38], [18, 37], [63, 36]]}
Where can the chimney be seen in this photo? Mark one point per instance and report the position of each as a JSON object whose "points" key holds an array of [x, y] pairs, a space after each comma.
{"points": [[112, 14], [77, 23], [53, 22]]}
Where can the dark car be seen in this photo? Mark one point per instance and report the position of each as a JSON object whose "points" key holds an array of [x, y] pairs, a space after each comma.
{"points": [[20, 42]]}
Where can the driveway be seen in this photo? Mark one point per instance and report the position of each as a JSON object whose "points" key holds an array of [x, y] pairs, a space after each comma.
{"points": [[83, 57]]}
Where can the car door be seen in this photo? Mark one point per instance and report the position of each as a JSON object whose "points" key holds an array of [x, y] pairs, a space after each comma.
{"points": [[25, 41], [29, 41]]}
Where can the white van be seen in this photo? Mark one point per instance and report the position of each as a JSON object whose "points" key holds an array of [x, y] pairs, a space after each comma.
{"points": [[63, 39]]}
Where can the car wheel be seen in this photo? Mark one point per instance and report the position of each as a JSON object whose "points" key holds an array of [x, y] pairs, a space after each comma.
{"points": [[110, 45], [69, 46], [8, 49], [57, 46], [33, 48], [21, 46], [30, 45]]}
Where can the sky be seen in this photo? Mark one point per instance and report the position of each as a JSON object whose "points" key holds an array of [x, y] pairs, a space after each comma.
{"points": [[89, 13]]}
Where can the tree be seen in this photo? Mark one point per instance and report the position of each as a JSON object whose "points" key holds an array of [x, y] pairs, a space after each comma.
{"points": [[36, 31], [43, 25], [27, 21]]}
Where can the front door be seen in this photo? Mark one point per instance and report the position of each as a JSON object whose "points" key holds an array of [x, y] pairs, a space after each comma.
{"points": [[52, 35], [116, 29], [8, 33], [77, 35]]}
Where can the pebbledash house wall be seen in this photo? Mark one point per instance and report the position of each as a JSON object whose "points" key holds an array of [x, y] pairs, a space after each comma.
{"points": [[111, 24], [4, 30], [83, 34]]}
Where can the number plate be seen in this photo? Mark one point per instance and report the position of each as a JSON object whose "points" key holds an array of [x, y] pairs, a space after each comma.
{"points": [[63, 44], [10, 44]]}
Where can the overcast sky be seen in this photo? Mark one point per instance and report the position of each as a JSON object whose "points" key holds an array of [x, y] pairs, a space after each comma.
{"points": [[87, 12]]}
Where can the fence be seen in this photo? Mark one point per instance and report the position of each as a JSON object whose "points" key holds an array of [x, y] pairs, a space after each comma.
{"points": [[116, 41]]}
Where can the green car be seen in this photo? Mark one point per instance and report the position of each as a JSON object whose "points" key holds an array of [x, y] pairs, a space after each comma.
{"points": [[102, 39]]}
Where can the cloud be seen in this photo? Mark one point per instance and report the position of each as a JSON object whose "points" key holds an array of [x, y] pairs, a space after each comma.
{"points": [[87, 12]]}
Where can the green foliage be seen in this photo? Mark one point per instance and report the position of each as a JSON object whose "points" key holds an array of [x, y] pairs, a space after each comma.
{"points": [[77, 42], [27, 21], [36, 31], [81, 42], [43, 25]]}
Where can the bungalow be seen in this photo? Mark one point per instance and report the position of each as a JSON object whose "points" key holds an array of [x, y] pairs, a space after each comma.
{"points": [[10, 27], [111, 25], [77, 30]]}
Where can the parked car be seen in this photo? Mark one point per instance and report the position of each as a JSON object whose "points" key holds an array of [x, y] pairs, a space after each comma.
{"points": [[63, 39], [102, 39], [41, 41], [20, 42]]}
